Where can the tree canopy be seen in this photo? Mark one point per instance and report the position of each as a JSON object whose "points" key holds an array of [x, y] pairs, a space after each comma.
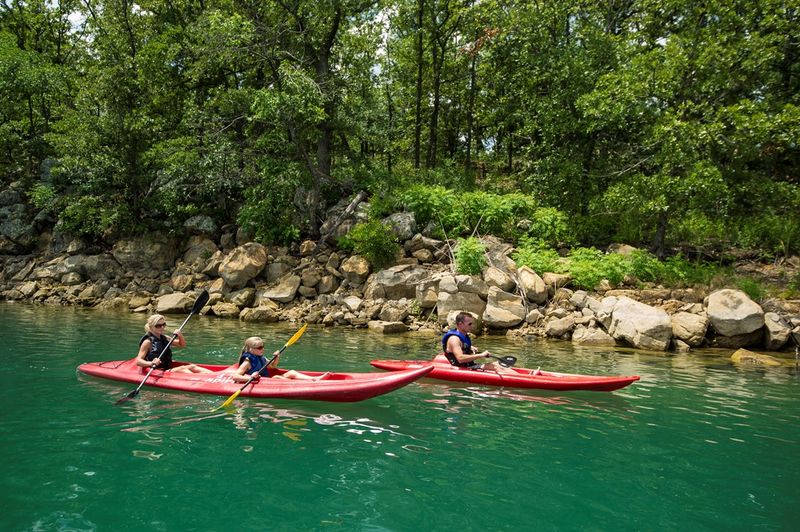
{"points": [[658, 122]]}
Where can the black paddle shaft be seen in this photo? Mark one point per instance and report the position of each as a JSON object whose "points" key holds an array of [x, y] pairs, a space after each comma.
{"points": [[197, 307]]}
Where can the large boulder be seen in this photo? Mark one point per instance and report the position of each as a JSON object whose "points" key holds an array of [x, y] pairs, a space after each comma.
{"points": [[640, 325], [457, 302], [397, 282], [743, 356], [242, 264], [532, 285], [355, 269], [497, 277], [776, 331], [733, 313], [146, 254], [503, 310], [690, 328], [284, 292], [175, 303], [387, 327], [200, 249], [402, 224], [200, 225], [592, 336]]}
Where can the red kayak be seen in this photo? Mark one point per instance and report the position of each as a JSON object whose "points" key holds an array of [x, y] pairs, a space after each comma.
{"points": [[523, 378], [336, 387]]}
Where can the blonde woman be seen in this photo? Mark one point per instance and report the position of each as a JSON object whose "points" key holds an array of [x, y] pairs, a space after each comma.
{"points": [[154, 343], [252, 361]]}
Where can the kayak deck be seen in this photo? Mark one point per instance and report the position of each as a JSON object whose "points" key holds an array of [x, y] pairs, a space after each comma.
{"points": [[334, 386], [521, 378]]}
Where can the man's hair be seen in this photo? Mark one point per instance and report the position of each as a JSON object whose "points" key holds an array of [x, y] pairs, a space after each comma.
{"points": [[461, 316]]}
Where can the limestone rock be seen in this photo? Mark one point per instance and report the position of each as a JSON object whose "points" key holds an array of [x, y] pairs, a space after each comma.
{"points": [[355, 269], [691, 328], [776, 331], [532, 285], [285, 291], [457, 302], [743, 356], [243, 264], [387, 327], [177, 302], [592, 336], [503, 310], [640, 325], [733, 313]]}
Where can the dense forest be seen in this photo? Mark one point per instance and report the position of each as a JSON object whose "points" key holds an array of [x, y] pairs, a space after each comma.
{"points": [[666, 124]]}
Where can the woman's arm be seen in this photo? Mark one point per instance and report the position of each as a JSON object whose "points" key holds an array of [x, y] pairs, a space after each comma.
{"points": [[143, 350], [179, 341]]}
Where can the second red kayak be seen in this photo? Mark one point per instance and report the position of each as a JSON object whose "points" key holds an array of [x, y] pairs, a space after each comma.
{"points": [[336, 387], [522, 378]]}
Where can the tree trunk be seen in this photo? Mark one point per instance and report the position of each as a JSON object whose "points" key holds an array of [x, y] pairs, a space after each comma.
{"points": [[418, 112], [661, 231]]}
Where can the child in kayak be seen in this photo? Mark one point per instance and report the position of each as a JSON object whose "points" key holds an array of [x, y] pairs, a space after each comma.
{"points": [[252, 360], [459, 351], [155, 349]]}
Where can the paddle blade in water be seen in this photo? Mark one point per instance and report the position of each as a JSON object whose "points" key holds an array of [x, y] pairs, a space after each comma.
{"points": [[230, 400], [128, 397]]}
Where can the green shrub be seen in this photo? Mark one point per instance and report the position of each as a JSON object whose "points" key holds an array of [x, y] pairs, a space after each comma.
{"points": [[538, 258], [470, 256], [679, 271], [644, 266], [752, 288], [267, 212], [589, 266], [90, 217], [374, 241], [43, 197], [551, 227]]}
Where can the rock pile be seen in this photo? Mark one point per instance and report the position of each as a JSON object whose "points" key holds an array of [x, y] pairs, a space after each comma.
{"points": [[317, 284]]}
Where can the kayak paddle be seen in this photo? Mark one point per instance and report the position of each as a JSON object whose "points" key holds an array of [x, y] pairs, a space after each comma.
{"points": [[292, 340], [506, 362], [198, 306]]}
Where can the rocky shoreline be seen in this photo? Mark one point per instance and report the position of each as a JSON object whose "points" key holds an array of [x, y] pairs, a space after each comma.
{"points": [[316, 284]]}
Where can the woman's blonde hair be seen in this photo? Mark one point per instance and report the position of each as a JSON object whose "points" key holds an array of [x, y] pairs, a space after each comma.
{"points": [[250, 342], [150, 325]]}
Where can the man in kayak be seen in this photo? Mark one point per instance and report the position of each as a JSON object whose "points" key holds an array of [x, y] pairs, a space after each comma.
{"points": [[458, 348], [155, 349]]}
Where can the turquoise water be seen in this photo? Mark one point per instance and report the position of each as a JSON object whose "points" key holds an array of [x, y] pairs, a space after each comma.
{"points": [[697, 444]]}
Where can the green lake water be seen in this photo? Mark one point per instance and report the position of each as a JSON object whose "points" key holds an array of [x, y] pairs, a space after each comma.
{"points": [[697, 444]]}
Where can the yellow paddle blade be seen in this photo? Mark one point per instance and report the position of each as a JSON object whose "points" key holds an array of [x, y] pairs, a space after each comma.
{"points": [[296, 336], [230, 399]]}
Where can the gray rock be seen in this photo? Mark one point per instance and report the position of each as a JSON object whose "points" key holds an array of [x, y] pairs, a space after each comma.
{"points": [[243, 264], [690, 328], [640, 325], [733, 313]]}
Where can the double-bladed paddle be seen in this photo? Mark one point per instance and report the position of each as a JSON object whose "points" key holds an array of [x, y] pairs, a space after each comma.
{"points": [[506, 362], [292, 340], [197, 307]]}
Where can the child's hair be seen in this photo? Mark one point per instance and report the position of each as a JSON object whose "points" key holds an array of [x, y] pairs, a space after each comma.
{"points": [[250, 342]]}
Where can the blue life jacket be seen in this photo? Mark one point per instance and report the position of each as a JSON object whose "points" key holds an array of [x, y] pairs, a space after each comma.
{"points": [[466, 348], [157, 345], [256, 363]]}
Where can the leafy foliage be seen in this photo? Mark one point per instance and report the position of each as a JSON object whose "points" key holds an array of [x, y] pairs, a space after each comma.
{"points": [[374, 241], [470, 256]]}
